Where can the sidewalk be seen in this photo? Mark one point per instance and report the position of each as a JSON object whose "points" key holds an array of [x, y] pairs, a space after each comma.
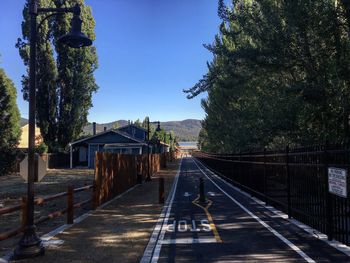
{"points": [[117, 233]]}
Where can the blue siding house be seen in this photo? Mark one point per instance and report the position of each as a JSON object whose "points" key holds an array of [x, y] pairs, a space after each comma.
{"points": [[129, 139]]}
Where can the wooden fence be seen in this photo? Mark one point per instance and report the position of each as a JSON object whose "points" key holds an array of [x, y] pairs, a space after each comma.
{"points": [[41, 201], [114, 174]]}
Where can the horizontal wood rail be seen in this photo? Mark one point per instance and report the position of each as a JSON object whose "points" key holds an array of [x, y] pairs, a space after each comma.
{"points": [[41, 201]]}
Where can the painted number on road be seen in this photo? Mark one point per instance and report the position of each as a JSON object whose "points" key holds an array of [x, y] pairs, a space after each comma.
{"points": [[189, 226]]}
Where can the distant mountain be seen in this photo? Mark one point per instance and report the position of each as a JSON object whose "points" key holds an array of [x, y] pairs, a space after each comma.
{"points": [[186, 130]]}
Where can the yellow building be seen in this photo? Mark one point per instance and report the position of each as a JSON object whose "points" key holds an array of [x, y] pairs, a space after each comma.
{"points": [[23, 143]]}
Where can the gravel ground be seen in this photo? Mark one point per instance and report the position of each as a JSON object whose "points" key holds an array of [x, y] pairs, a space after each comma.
{"points": [[13, 187]]}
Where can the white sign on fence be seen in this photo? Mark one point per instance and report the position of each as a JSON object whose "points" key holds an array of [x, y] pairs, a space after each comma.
{"points": [[337, 181]]}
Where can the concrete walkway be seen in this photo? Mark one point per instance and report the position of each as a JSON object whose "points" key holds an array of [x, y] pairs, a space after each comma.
{"points": [[119, 232]]}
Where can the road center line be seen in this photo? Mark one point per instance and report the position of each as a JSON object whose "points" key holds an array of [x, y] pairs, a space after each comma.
{"points": [[210, 218], [273, 231]]}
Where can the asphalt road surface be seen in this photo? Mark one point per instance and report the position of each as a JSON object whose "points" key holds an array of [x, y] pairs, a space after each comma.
{"points": [[228, 227]]}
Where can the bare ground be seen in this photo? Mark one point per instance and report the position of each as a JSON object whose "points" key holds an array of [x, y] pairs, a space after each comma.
{"points": [[13, 187]]}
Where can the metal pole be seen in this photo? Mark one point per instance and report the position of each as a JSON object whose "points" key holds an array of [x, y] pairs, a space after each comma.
{"points": [[289, 203], [161, 191], [201, 190], [30, 244], [329, 207], [148, 178]]}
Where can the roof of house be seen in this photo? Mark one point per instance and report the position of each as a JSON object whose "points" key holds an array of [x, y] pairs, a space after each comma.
{"points": [[124, 134]]}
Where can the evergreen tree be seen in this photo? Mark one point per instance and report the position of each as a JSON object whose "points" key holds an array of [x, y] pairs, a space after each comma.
{"points": [[65, 82], [9, 123], [280, 75]]}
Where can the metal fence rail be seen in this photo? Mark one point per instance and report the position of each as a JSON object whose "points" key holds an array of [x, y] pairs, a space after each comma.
{"points": [[294, 180]]}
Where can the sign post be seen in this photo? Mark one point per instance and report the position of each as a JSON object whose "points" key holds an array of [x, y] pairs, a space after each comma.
{"points": [[337, 182]]}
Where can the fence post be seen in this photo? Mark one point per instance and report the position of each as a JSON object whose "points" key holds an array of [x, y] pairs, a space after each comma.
{"points": [[161, 190], [329, 208], [288, 183], [164, 160], [70, 208], [265, 177], [24, 211]]}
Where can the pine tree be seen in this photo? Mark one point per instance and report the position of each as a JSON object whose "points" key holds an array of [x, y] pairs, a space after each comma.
{"points": [[280, 75], [9, 123]]}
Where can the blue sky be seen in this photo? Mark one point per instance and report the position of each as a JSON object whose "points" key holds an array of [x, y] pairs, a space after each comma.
{"points": [[149, 51]]}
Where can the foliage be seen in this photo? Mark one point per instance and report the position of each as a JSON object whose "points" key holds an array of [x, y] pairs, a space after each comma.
{"points": [[280, 75], [65, 80], [9, 124], [41, 148]]}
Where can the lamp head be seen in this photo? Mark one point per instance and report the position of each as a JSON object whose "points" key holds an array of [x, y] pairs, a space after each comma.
{"points": [[75, 38]]}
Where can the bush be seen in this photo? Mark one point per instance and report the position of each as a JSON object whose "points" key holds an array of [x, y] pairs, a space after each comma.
{"points": [[8, 161], [41, 148]]}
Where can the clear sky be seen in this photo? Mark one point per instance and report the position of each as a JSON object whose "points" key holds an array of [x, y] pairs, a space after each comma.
{"points": [[149, 51]]}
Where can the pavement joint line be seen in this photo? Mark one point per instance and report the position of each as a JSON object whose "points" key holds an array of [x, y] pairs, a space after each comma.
{"points": [[152, 244], [272, 230], [46, 237], [310, 230]]}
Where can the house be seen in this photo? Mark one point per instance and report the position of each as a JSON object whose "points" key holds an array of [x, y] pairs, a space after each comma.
{"points": [[129, 139], [23, 142]]}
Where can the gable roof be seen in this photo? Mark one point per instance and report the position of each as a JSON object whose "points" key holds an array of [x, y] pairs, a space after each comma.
{"points": [[124, 134]]}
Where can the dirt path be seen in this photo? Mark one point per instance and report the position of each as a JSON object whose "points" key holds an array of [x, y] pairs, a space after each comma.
{"points": [[117, 233]]}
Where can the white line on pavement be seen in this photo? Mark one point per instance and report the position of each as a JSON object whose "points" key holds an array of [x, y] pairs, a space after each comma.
{"points": [[273, 231], [154, 246], [313, 232], [189, 241]]}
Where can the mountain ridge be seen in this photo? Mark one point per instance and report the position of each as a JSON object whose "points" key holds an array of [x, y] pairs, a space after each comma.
{"points": [[185, 130]]}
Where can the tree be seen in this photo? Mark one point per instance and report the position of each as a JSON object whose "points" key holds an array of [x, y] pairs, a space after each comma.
{"points": [[9, 123], [280, 75], [65, 81]]}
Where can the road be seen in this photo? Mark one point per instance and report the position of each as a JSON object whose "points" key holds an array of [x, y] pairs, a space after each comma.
{"points": [[228, 227]]}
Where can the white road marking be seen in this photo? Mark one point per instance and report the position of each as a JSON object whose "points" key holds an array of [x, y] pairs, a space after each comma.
{"points": [[154, 246], [313, 232], [273, 231], [187, 194], [189, 241]]}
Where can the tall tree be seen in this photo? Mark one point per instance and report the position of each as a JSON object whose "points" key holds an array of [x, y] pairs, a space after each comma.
{"points": [[9, 123], [65, 81], [280, 74]]}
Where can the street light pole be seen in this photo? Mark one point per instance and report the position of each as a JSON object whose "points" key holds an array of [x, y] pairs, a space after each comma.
{"points": [[30, 245]]}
